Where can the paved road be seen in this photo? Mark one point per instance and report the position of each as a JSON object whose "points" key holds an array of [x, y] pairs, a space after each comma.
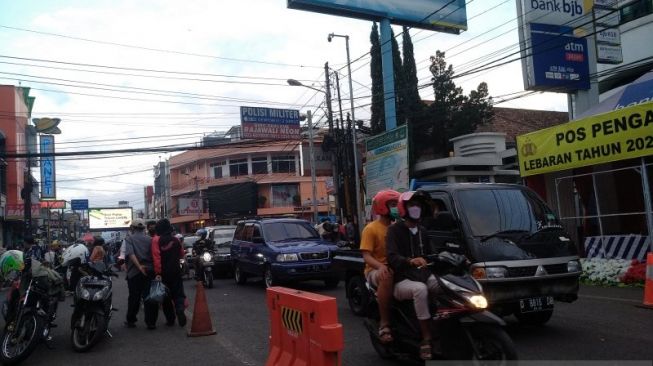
{"points": [[602, 324]]}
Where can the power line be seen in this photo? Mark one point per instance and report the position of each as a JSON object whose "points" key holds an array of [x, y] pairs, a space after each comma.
{"points": [[231, 59]]}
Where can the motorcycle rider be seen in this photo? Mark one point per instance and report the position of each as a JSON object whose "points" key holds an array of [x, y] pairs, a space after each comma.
{"points": [[407, 244], [199, 247], [373, 247]]}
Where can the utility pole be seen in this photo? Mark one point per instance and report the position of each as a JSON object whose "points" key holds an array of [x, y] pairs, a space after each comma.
{"points": [[27, 199], [334, 154], [343, 190], [309, 121]]}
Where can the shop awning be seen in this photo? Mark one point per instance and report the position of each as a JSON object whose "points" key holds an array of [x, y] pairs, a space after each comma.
{"points": [[638, 92]]}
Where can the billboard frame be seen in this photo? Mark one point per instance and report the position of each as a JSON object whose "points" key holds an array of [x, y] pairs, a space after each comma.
{"points": [[118, 228]]}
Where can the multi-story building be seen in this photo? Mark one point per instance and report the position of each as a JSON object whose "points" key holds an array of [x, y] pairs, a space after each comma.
{"points": [[16, 136], [246, 178]]}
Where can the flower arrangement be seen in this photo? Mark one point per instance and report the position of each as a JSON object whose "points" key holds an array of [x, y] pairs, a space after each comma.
{"points": [[603, 271], [635, 274]]}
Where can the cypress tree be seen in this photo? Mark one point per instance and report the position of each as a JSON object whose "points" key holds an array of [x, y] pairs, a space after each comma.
{"points": [[377, 120], [400, 84]]}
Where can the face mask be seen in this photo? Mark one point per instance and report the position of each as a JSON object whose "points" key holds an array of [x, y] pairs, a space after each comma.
{"points": [[413, 230], [394, 212], [414, 212]]}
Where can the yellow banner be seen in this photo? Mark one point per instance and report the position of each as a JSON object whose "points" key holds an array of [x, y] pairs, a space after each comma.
{"points": [[622, 134]]}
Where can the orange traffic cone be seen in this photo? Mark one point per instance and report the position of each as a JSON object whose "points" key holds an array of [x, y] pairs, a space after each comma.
{"points": [[648, 282], [201, 325]]}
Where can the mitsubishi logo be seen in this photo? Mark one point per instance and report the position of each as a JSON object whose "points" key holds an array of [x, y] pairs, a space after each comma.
{"points": [[540, 271]]}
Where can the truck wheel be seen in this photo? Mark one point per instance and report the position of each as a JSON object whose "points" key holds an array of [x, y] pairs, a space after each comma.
{"points": [[358, 295], [537, 318], [239, 276]]}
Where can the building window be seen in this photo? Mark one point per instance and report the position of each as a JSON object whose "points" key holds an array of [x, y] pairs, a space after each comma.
{"points": [[216, 169], [238, 167], [260, 165], [283, 164], [285, 195], [636, 10]]}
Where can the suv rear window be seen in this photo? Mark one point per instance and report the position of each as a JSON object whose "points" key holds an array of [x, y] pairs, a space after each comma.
{"points": [[284, 231]]}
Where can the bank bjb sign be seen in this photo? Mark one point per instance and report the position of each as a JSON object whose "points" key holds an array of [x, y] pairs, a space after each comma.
{"points": [[555, 12], [622, 134]]}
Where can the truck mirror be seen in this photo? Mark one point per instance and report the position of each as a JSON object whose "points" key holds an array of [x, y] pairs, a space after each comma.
{"points": [[445, 221], [258, 240]]}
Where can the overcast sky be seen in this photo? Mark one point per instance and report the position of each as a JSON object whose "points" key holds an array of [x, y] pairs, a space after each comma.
{"points": [[224, 54]]}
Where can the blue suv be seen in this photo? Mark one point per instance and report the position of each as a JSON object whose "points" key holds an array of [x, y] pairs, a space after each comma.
{"points": [[281, 250]]}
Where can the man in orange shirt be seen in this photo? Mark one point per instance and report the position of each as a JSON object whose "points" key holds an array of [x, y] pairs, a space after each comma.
{"points": [[377, 273]]}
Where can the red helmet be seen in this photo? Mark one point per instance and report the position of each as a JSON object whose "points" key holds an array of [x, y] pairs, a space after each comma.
{"points": [[380, 201], [420, 196]]}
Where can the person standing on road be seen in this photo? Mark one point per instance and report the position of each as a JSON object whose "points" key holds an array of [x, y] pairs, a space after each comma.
{"points": [[151, 228], [167, 252], [138, 250], [377, 273]]}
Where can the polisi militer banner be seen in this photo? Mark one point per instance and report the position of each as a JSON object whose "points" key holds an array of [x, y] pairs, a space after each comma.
{"points": [[622, 134], [439, 15], [269, 123]]}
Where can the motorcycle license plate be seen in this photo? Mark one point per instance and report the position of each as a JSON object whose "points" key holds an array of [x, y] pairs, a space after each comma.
{"points": [[535, 304]]}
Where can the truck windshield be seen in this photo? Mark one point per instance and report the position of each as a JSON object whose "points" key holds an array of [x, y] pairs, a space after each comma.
{"points": [[492, 211], [287, 231]]}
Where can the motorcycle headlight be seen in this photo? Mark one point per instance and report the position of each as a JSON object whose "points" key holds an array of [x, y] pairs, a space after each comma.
{"points": [[479, 301], [182, 261], [84, 294], [207, 257], [287, 257], [574, 266], [99, 295]]}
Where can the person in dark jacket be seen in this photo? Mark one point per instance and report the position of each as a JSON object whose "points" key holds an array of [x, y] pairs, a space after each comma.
{"points": [[166, 253], [407, 245]]}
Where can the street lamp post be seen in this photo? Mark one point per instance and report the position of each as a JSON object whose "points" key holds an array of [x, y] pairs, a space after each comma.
{"points": [[309, 121], [359, 210]]}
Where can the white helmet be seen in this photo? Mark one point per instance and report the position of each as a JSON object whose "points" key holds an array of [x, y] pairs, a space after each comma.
{"points": [[74, 252]]}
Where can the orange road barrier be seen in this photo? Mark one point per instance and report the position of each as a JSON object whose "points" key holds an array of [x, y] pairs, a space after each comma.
{"points": [[304, 329], [648, 282], [201, 325]]}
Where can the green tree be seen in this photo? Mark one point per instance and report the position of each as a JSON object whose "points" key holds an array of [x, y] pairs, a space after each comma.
{"points": [[412, 100], [452, 113], [400, 84], [377, 120]]}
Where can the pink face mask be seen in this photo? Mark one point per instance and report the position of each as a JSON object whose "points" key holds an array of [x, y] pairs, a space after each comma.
{"points": [[414, 212]]}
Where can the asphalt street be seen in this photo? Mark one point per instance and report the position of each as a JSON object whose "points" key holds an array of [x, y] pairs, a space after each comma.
{"points": [[604, 324]]}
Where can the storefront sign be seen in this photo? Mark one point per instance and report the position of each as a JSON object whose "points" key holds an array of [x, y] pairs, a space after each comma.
{"points": [[622, 134], [17, 212], [190, 206], [58, 204], [48, 186], [608, 54], [609, 36], [387, 162]]}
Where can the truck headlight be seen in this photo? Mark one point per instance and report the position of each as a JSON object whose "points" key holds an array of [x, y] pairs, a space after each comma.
{"points": [[479, 301], [288, 257], [574, 266], [496, 272]]}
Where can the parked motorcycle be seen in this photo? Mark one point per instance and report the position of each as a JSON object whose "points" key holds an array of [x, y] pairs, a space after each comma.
{"points": [[30, 317], [204, 272], [459, 314], [93, 307]]}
